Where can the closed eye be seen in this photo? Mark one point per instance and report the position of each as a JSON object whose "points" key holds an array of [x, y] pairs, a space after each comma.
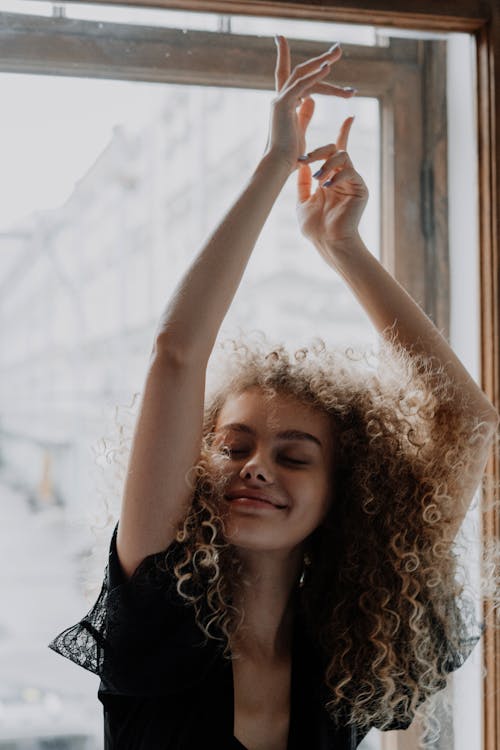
{"points": [[231, 452]]}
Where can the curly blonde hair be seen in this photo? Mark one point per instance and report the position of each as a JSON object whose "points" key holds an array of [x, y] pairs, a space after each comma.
{"points": [[383, 594]]}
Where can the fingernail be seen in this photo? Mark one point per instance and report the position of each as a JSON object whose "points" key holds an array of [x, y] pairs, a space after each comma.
{"points": [[350, 88], [319, 172], [334, 47], [328, 183], [304, 157], [324, 65], [276, 38]]}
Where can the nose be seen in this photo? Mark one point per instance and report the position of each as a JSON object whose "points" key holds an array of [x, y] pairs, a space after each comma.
{"points": [[256, 468]]}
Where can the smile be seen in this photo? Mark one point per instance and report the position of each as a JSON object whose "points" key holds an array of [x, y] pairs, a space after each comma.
{"points": [[252, 502]]}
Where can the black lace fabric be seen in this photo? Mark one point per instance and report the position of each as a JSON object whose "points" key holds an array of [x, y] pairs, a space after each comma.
{"points": [[140, 636], [85, 642], [450, 657]]}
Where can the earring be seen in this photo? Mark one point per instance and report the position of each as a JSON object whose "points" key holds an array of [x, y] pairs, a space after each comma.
{"points": [[306, 563]]}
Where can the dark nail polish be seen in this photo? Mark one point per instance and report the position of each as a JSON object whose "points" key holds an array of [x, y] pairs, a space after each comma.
{"points": [[319, 172]]}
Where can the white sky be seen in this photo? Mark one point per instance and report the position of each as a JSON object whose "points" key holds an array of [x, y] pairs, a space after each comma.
{"points": [[52, 130]]}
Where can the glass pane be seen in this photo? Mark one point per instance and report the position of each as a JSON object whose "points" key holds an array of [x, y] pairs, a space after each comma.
{"points": [[113, 186], [199, 147]]}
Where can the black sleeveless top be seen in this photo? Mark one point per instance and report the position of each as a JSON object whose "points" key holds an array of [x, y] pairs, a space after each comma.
{"points": [[164, 686]]}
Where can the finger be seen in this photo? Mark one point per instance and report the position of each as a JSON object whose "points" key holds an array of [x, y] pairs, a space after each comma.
{"points": [[305, 113], [302, 86], [346, 92], [283, 63], [323, 152], [331, 55], [343, 176], [354, 179], [344, 131], [340, 160], [304, 182]]}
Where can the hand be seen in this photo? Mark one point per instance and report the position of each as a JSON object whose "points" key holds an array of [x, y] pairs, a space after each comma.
{"points": [[329, 217], [287, 128]]}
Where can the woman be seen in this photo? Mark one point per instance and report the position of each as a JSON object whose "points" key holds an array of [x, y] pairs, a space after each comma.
{"points": [[282, 573]]}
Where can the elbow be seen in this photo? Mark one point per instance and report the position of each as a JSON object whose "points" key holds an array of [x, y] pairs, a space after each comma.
{"points": [[164, 351], [171, 352]]}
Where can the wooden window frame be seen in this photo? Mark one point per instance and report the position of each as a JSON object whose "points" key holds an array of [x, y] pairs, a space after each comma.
{"points": [[407, 77], [480, 18]]}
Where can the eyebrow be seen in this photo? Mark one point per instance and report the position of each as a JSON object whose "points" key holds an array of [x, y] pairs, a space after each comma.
{"points": [[285, 434]]}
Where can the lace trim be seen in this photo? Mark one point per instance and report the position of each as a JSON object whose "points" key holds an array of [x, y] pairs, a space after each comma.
{"points": [[140, 636]]}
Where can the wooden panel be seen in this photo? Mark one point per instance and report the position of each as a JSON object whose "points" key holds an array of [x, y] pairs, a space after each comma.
{"points": [[434, 184], [414, 182], [448, 15], [62, 46], [488, 62], [403, 242]]}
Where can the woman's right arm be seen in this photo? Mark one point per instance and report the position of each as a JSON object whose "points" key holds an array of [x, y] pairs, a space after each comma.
{"points": [[168, 431]]}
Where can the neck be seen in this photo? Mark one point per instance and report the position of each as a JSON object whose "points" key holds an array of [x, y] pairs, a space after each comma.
{"points": [[267, 600]]}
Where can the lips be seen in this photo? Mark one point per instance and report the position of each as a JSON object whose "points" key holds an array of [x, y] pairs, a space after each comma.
{"points": [[254, 496]]}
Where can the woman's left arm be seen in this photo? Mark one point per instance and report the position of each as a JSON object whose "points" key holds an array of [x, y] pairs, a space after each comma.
{"points": [[389, 306], [329, 217]]}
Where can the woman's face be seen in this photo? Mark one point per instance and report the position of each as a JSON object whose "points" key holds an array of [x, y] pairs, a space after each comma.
{"points": [[279, 450]]}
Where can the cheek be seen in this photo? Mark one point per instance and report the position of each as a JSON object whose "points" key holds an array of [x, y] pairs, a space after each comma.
{"points": [[310, 500], [320, 487], [325, 495]]}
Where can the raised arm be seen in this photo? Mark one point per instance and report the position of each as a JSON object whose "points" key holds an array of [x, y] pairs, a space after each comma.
{"points": [[329, 217], [168, 431]]}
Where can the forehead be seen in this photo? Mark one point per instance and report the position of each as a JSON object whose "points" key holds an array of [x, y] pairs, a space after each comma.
{"points": [[280, 412]]}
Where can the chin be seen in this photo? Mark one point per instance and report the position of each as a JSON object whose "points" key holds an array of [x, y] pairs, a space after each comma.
{"points": [[258, 537]]}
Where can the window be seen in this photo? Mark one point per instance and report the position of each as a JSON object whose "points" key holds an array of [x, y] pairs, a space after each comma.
{"points": [[132, 103]]}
